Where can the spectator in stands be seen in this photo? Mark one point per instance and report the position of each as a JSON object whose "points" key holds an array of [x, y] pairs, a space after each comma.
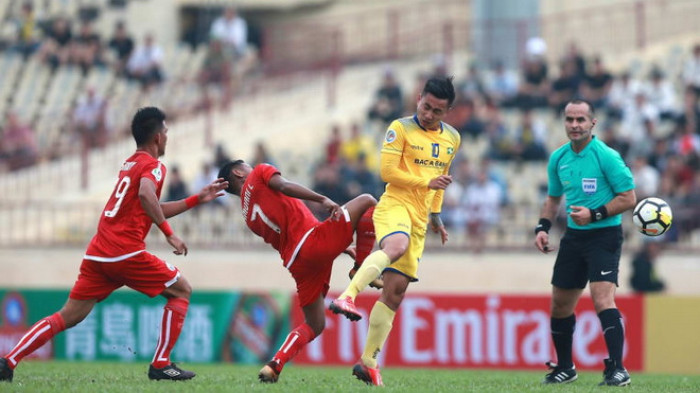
{"points": [[596, 85], [388, 100], [122, 44], [471, 123], [473, 85], [329, 182], [208, 174], [27, 31], [453, 209], [691, 71], [574, 55], [644, 278], [86, 48], [623, 93], [565, 88], [482, 204], [333, 145], [261, 155], [685, 141], [89, 119], [232, 30], [534, 87], [363, 180], [145, 64], [691, 110], [177, 188], [500, 145], [19, 145], [646, 178], [660, 94], [56, 48], [530, 139], [221, 156], [216, 71], [641, 115], [358, 144], [502, 86]]}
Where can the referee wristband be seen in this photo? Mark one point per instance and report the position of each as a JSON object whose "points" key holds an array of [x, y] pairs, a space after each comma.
{"points": [[598, 214], [192, 201], [543, 225], [165, 228]]}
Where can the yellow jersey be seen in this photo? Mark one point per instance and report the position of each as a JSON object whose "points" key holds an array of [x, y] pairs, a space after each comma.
{"points": [[410, 157]]}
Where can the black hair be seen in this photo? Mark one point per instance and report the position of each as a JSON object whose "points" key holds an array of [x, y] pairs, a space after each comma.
{"points": [[442, 88], [581, 101], [225, 173], [147, 122]]}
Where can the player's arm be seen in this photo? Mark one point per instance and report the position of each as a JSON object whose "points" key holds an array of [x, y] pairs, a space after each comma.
{"points": [[150, 204], [622, 202], [547, 214], [391, 173], [296, 190], [210, 192]]}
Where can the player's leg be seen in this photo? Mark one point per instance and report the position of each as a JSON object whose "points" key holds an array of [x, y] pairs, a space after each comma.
{"points": [[361, 210], [314, 323], [393, 225], [604, 262], [44, 330], [174, 313]]}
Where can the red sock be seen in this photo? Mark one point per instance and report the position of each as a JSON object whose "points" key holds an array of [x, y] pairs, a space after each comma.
{"points": [[173, 318], [296, 340], [36, 336], [365, 237]]}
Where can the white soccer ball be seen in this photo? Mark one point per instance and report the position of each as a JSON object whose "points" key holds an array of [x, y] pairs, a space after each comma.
{"points": [[652, 216]]}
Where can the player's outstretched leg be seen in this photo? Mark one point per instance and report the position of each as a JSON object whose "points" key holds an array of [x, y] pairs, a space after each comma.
{"points": [[295, 341], [365, 244], [368, 375], [345, 306], [6, 373]]}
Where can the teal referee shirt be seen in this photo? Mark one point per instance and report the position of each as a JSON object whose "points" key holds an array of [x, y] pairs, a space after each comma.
{"points": [[590, 178]]}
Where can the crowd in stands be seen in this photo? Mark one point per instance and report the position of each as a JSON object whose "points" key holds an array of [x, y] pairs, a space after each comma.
{"points": [[58, 40]]}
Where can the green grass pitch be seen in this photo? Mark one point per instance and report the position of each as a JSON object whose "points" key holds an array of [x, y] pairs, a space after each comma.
{"points": [[93, 377]]}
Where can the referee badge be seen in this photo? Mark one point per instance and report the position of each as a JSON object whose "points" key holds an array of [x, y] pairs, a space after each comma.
{"points": [[589, 185]]}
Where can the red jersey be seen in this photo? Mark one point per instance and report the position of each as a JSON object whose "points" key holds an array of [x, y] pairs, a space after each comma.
{"points": [[282, 221], [124, 224]]}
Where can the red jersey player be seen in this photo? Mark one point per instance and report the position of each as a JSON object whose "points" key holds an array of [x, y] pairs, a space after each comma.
{"points": [[117, 256], [273, 209]]}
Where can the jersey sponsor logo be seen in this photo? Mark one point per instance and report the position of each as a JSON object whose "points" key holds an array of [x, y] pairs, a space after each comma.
{"points": [[157, 173], [416, 147], [433, 163], [450, 150], [589, 185], [128, 165], [390, 136]]}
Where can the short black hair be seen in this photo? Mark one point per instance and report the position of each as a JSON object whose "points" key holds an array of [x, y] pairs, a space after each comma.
{"points": [[581, 101], [225, 173], [146, 123], [442, 88]]}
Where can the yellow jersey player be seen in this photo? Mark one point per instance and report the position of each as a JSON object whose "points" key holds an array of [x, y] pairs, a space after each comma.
{"points": [[415, 160]]}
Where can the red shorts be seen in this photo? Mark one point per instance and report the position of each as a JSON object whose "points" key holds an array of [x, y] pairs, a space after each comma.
{"points": [[312, 266], [143, 272]]}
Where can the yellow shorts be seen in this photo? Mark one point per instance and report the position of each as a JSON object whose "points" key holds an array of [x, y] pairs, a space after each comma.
{"points": [[391, 217]]}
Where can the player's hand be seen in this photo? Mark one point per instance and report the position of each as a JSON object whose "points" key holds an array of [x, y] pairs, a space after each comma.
{"points": [[177, 243], [332, 208], [581, 215], [442, 231], [350, 251], [213, 190], [542, 242], [440, 183]]}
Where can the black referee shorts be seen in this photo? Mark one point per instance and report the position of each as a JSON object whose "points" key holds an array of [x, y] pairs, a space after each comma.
{"points": [[588, 255]]}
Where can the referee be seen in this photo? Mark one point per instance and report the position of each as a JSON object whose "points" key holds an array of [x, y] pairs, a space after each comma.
{"points": [[598, 187]]}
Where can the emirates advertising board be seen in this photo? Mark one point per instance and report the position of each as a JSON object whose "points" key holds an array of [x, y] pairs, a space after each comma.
{"points": [[474, 331]]}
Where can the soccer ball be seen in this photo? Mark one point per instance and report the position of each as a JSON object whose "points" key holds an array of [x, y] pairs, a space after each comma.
{"points": [[652, 216]]}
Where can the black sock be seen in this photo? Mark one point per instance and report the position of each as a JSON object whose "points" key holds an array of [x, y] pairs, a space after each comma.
{"points": [[614, 333], [563, 337]]}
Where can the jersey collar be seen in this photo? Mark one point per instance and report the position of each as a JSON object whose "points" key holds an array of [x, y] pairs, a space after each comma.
{"points": [[588, 147], [415, 118]]}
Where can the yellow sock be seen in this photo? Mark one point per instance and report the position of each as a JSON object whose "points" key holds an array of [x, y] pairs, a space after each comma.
{"points": [[371, 268], [381, 320]]}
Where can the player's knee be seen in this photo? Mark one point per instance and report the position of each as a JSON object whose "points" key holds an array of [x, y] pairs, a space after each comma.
{"points": [[368, 200], [396, 248]]}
